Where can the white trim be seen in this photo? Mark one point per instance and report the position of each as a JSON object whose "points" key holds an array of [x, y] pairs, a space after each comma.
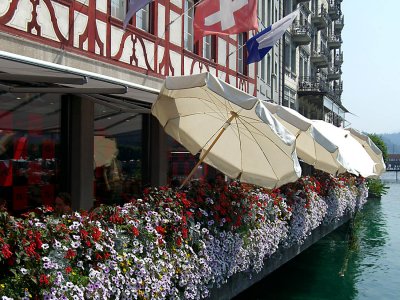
{"points": [[62, 68]]}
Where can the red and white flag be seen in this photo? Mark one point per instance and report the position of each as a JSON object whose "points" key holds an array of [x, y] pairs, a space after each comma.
{"points": [[224, 17]]}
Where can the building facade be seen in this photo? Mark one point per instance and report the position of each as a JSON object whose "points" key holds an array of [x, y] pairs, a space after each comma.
{"points": [[76, 89], [303, 71]]}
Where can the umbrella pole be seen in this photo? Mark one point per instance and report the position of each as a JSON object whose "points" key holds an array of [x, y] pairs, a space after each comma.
{"points": [[227, 123]]}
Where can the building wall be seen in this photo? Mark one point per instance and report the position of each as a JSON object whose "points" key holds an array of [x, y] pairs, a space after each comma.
{"points": [[85, 34], [309, 57]]}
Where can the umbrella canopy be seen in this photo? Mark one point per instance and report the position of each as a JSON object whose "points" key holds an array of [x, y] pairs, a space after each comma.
{"points": [[232, 131], [352, 155], [104, 151], [311, 145], [373, 151]]}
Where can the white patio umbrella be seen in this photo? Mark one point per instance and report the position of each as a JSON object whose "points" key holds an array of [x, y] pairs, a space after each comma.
{"points": [[353, 156], [232, 131], [311, 145], [373, 151]]}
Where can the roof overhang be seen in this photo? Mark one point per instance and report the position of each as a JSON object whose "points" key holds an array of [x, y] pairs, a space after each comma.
{"points": [[37, 76]]}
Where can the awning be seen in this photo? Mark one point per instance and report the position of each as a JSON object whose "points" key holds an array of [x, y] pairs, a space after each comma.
{"points": [[37, 76]]}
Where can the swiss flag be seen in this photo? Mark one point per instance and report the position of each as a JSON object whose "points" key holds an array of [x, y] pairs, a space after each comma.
{"points": [[224, 17]]}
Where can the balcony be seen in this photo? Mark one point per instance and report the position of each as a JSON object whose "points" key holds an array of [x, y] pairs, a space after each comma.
{"points": [[301, 33], [338, 88], [295, 2], [334, 41], [339, 24], [313, 85], [320, 58], [334, 11], [334, 73], [320, 19], [338, 60]]}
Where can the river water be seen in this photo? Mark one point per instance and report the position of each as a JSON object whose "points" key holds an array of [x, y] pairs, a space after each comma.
{"points": [[334, 268]]}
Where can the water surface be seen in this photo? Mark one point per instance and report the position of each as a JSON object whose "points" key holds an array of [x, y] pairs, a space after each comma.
{"points": [[336, 268]]}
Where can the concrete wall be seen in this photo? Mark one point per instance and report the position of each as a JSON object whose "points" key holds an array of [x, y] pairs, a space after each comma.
{"points": [[241, 281]]}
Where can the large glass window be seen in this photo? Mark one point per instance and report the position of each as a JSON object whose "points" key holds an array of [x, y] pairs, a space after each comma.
{"points": [[117, 155], [29, 150], [181, 162]]}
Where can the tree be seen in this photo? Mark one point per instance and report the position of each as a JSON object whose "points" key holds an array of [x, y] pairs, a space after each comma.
{"points": [[378, 141], [376, 187]]}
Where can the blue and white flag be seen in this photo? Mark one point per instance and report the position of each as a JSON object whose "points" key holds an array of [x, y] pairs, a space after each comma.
{"points": [[259, 45], [134, 6]]}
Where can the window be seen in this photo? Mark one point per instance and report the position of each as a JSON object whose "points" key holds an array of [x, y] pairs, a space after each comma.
{"points": [[118, 9], [209, 45], [301, 67], [188, 25], [118, 142], [269, 13], [288, 7], [242, 68], [290, 57], [289, 98], [269, 73], [287, 56], [143, 18], [293, 59], [30, 160], [261, 65]]}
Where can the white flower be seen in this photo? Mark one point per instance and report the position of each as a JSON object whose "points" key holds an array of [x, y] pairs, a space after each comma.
{"points": [[75, 244], [45, 259], [24, 271], [45, 246], [76, 237]]}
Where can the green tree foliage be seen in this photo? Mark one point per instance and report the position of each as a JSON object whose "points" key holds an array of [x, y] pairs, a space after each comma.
{"points": [[380, 144], [375, 186]]}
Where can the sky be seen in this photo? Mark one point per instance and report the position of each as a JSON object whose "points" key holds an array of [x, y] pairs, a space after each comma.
{"points": [[371, 68]]}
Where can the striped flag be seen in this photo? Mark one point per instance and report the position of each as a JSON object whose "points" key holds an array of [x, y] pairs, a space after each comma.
{"points": [[259, 45], [134, 6]]}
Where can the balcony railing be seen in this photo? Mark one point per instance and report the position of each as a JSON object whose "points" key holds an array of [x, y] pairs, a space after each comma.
{"points": [[338, 60], [334, 41], [334, 10], [301, 33], [320, 19], [313, 85], [334, 73], [339, 24], [317, 85], [320, 57], [338, 92]]}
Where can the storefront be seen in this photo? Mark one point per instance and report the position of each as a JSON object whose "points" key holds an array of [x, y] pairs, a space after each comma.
{"points": [[63, 129]]}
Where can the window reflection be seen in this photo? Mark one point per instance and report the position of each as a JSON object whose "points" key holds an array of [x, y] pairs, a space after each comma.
{"points": [[117, 155], [29, 144], [181, 162]]}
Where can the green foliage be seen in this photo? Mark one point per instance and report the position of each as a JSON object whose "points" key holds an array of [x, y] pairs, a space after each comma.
{"points": [[376, 187], [378, 141]]}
